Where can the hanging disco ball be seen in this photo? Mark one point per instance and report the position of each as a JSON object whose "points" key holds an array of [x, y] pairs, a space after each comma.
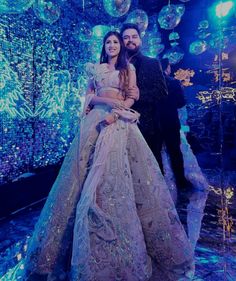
{"points": [[170, 16], [152, 46], [180, 9], [95, 49], [198, 47], [47, 11], [154, 50], [173, 36], [82, 31], [174, 55], [204, 24], [99, 31], [15, 6], [151, 36], [116, 8], [160, 48], [138, 17], [154, 41]]}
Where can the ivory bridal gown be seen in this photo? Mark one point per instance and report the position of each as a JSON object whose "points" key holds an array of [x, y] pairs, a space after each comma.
{"points": [[109, 215]]}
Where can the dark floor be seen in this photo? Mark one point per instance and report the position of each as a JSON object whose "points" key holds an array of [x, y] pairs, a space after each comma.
{"points": [[209, 218]]}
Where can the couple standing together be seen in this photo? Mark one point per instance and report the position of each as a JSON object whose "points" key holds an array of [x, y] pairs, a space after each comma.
{"points": [[109, 215]]}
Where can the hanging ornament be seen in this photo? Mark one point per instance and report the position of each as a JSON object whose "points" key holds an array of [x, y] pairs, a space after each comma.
{"points": [[47, 11], [174, 55], [152, 46], [96, 48], [198, 47], [82, 31], [159, 48], [170, 16], [15, 6], [116, 8], [155, 39], [155, 47], [174, 36], [138, 17], [153, 50], [99, 31], [204, 24], [152, 36]]}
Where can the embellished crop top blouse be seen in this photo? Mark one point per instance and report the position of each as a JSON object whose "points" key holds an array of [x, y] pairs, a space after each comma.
{"points": [[104, 78]]}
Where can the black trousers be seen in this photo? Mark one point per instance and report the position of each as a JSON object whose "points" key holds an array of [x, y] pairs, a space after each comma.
{"points": [[170, 137]]}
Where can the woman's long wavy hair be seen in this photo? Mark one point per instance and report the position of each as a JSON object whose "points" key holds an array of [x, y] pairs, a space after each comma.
{"points": [[122, 62]]}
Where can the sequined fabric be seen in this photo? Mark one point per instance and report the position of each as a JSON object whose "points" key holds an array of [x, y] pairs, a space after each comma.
{"points": [[194, 175], [192, 170], [109, 215], [102, 76]]}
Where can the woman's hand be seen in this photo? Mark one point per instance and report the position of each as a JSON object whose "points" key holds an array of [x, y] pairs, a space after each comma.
{"points": [[88, 109], [110, 118]]}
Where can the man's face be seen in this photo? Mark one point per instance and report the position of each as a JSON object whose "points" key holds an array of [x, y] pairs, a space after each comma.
{"points": [[131, 39]]}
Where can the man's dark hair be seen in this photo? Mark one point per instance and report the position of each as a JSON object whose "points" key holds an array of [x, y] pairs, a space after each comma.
{"points": [[164, 64], [129, 26]]}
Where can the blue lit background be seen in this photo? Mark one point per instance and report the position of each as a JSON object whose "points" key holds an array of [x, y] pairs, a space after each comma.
{"points": [[43, 48], [45, 44], [42, 86]]}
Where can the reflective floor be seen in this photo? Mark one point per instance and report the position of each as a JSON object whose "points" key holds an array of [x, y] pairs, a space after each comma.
{"points": [[208, 216]]}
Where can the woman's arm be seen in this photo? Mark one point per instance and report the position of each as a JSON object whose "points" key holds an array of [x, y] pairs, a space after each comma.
{"points": [[129, 101], [132, 93], [113, 103]]}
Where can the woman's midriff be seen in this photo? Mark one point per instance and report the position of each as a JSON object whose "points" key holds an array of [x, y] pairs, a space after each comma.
{"points": [[110, 93]]}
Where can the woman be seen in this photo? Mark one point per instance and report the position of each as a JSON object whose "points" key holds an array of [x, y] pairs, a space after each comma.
{"points": [[109, 215]]}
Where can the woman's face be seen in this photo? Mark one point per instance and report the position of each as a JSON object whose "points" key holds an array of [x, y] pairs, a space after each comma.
{"points": [[112, 46]]}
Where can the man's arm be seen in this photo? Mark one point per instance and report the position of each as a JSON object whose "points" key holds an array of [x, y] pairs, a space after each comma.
{"points": [[179, 94], [161, 81]]}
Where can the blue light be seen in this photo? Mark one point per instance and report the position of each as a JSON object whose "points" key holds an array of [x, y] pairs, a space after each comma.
{"points": [[223, 8]]}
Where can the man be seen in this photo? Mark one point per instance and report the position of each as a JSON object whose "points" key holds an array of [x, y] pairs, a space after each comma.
{"points": [[159, 122], [170, 124], [152, 87], [153, 95]]}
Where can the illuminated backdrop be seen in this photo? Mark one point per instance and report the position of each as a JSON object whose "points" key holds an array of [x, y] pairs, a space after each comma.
{"points": [[45, 44], [41, 89]]}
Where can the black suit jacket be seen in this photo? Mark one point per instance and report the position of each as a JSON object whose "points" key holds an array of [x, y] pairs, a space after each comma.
{"points": [[169, 107], [153, 90]]}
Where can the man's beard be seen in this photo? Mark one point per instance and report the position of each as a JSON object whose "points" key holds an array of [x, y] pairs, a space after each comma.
{"points": [[132, 52]]}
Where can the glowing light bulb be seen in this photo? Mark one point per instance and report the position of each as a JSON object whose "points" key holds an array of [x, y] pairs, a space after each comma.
{"points": [[223, 8]]}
